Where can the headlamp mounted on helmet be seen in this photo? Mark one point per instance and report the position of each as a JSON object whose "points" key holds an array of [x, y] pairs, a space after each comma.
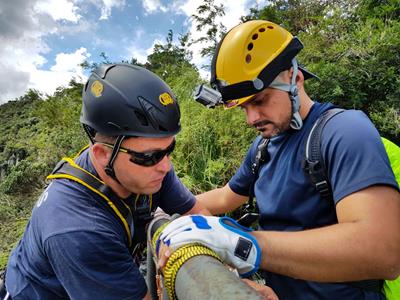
{"points": [[247, 60], [227, 94]]}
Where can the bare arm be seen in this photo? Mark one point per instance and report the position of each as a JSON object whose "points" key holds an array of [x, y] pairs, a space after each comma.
{"points": [[198, 209], [365, 244], [221, 200]]}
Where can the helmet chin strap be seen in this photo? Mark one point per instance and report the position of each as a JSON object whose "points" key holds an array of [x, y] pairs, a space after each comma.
{"points": [[109, 169], [296, 122]]}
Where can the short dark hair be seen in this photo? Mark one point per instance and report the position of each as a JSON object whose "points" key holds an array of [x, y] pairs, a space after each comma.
{"points": [[102, 138]]}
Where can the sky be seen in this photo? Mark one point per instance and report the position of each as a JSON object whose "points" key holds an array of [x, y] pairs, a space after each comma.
{"points": [[43, 42]]}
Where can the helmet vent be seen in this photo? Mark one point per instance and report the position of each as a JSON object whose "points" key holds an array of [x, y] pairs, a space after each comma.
{"points": [[254, 37], [162, 128], [250, 46], [270, 27], [262, 29], [248, 58], [142, 119]]}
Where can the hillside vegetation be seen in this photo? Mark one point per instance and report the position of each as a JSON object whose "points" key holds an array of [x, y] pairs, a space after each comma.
{"points": [[353, 46]]}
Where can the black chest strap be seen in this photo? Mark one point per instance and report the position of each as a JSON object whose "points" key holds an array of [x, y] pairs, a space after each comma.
{"points": [[261, 158], [251, 211], [314, 166], [313, 163]]}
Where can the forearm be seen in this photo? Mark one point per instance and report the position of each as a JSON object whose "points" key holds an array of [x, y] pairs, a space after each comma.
{"points": [[198, 209], [221, 200], [341, 252], [208, 200]]}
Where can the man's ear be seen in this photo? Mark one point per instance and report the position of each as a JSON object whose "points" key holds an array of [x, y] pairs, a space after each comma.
{"points": [[101, 154], [299, 78]]}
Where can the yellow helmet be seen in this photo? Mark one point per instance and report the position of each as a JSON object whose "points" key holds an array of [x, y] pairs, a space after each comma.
{"points": [[249, 58]]}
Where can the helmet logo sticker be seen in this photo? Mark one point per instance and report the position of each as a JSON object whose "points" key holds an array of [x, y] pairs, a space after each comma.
{"points": [[166, 99], [97, 88]]}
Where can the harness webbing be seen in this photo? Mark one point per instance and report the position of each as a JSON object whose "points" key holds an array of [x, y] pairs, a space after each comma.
{"points": [[68, 169], [260, 158], [314, 166], [137, 214], [313, 163]]}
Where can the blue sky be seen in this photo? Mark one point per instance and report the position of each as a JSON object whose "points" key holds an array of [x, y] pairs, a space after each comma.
{"points": [[43, 41]]}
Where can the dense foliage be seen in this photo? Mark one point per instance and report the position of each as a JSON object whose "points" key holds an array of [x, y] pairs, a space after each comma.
{"points": [[353, 46]]}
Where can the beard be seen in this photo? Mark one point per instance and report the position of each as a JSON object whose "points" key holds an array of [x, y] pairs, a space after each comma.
{"points": [[269, 129]]}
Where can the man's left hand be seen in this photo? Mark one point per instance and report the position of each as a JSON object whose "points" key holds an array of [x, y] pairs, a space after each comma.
{"points": [[231, 241]]}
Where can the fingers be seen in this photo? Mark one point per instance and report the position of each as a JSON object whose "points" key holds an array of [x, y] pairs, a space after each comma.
{"points": [[265, 291], [163, 256]]}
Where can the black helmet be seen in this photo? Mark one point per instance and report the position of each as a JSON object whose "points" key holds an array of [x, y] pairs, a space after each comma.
{"points": [[127, 100]]}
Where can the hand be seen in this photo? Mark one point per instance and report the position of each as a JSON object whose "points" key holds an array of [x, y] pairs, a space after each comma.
{"points": [[163, 254], [231, 241], [265, 291]]}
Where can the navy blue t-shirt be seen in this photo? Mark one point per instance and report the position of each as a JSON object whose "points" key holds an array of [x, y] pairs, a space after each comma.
{"points": [[355, 158], [74, 248]]}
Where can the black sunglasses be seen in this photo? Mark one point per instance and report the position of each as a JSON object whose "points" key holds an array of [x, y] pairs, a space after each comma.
{"points": [[146, 159]]}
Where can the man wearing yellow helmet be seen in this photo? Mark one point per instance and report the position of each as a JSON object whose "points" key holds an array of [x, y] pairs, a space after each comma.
{"points": [[310, 248]]}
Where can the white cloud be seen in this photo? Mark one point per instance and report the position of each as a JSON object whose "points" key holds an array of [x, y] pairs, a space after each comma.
{"points": [[152, 6], [23, 26], [67, 62], [59, 10], [141, 53], [66, 68], [107, 6], [24, 72], [150, 50], [22, 48], [136, 52], [26, 26], [233, 11]]}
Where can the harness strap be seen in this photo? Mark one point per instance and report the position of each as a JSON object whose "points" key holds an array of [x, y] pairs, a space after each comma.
{"points": [[68, 169], [313, 163], [314, 166], [261, 157]]}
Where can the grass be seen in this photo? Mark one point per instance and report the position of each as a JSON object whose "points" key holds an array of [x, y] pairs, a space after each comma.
{"points": [[10, 233], [14, 215]]}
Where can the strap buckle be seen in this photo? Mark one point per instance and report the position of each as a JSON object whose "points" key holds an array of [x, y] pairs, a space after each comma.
{"points": [[323, 188]]}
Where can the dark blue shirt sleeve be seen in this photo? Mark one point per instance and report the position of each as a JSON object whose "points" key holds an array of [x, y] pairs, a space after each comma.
{"points": [[243, 178], [354, 154], [94, 266], [174, 196]]}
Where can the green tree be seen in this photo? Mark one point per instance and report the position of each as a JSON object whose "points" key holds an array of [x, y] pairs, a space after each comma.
{"points": [[298, 15], [206, 19], [167, 58], [93, 65], [171, 61], [353, 47]]}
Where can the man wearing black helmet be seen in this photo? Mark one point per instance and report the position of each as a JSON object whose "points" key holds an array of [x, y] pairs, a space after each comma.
{"points": [[79, 241], [308, 246]]}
